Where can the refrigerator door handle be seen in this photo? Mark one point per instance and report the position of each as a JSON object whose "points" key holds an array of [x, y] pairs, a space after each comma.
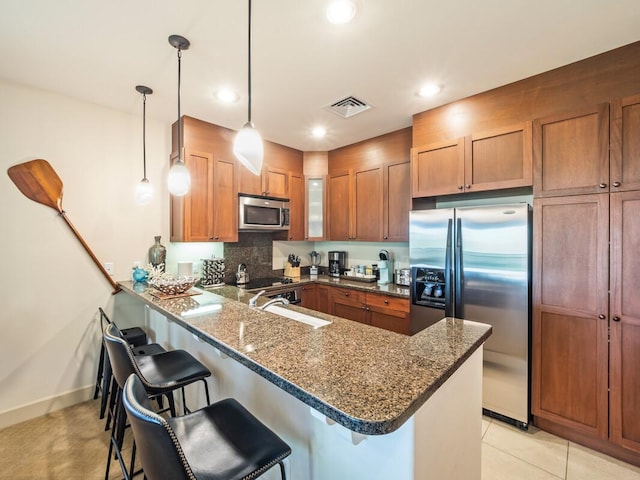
{"points": [[459, 272], [448, 286]]}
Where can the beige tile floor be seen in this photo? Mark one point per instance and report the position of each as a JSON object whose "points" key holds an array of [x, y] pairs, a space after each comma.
{"points": [[512, 454]]}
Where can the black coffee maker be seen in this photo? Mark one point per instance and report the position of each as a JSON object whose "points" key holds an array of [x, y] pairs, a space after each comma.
{"points": [[337, 263]]}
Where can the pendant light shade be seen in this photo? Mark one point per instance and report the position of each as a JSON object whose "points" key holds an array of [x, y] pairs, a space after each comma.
{"points": [[144, 189], [247, 146], [179, 180]]}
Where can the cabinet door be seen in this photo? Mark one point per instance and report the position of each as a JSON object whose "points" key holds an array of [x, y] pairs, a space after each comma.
{"points": [[499, 159], [323, 299], [367, 213], [276, 182], [192, 214], [438, 169], [296, 213], [571, 153], [309, 297], [396, 202], [570, 349], [339, 206], [349, 304], [249, 182], [315, 208], [225, 202], [625, 144], [389, 313], [625, 320]]}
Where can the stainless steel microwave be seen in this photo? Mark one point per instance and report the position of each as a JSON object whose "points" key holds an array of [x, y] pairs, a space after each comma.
{"points": [[263, 213]]}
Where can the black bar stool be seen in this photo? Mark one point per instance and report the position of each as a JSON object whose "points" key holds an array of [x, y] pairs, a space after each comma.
{"points": [[222, 441], [160, 374], [137, 338]]}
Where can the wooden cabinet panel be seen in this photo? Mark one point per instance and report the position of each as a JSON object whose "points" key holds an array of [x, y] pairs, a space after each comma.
{"points": [[570, 345], [349, 304], [192, 214], [225, 201], [339, 206], [324, 305], [309, 297], [276, 183], [396, 201], [297, 207], [571, 153], [499, 159], [625, 320], [625, 144], [438, 169], [367, 212], [249, 182], [389, 313]]}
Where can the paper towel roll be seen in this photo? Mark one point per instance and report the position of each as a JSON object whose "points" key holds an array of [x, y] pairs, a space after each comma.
{"points": [[185, 269]]}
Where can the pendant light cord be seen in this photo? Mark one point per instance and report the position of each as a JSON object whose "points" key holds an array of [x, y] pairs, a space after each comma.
{"points": [[179, 121], [144, 139], [249, 61]]}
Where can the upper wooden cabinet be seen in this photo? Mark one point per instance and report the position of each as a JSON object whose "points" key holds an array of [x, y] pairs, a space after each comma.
{"points": [[297, 207], [368, 189], [625, 144], [355, 205], [571, 153], [279, 163], [209, 211], [492, 160]]}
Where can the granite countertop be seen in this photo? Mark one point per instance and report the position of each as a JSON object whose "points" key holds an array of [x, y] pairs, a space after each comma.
{"points": [[389, 288], [367, 379]]}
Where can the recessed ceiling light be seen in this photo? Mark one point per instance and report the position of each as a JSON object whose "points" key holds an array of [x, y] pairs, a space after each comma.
{"points": [[319, 132], [341, 11], [429, 90], [226, 95]]}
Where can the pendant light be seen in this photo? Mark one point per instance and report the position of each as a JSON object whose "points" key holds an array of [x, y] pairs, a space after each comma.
{"points": [[179, 180], [247, 146], [144, 189]]}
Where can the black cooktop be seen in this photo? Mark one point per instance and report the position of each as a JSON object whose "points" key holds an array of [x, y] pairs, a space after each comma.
{"points": [[265, 282]]}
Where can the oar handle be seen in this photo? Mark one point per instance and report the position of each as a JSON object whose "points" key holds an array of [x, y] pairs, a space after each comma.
{"points": [[109, 278]]}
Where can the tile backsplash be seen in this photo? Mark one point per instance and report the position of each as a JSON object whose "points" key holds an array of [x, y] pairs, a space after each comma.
{"points": [[255, 250]]}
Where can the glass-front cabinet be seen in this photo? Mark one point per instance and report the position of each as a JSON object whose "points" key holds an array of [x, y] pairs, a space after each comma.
{"points": [[315, 207]]}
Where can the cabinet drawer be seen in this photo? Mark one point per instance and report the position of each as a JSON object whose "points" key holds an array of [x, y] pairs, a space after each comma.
{"points": [[352, 295], [387, 301]]}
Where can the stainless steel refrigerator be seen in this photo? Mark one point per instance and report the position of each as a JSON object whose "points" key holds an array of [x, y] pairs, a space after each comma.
{"points": [[474, 263]]}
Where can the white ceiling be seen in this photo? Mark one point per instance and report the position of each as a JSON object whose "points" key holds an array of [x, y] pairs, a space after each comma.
{"points": [[100, 50]]}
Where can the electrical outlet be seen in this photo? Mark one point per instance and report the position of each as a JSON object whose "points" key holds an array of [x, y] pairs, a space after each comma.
{"points": [[108, 266]]}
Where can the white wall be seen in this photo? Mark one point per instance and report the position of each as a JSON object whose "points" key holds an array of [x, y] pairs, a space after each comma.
{"points": [[50, 287]]}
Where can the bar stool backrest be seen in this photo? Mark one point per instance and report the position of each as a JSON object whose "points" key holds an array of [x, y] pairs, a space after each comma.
{"points": [[160, 453], [121, 357]]}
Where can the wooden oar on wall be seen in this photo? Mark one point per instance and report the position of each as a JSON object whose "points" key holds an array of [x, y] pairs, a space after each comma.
{"points": [[38, 181]]}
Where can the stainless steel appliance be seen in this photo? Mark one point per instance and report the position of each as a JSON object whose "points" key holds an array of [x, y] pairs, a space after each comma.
{"points": [[474, 263], [315, 262], [385, 267], [337, 263], [242, 276], [277, 287], [262, 213]]}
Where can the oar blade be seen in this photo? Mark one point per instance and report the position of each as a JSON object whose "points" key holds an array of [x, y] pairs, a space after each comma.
{"points": [[38, 181]]}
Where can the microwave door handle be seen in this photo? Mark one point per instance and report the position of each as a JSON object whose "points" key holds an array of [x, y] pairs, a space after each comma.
{"points": [[448, 286], [459, 271]]}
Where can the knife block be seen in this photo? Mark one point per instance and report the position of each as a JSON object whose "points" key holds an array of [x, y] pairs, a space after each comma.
{"points": [[290, 271]]}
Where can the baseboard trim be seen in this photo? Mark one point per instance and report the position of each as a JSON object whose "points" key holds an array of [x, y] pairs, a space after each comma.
{"points": [[45, 405]]}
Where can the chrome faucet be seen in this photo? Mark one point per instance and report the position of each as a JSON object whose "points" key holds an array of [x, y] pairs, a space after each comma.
{"points": [[281, 300], [253, 301]]}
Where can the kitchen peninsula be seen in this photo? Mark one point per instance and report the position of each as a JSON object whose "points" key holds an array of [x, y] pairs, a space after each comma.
{"points": [[353, 401]]}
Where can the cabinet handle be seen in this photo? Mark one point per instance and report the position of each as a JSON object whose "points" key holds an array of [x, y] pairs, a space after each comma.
{"points": [[386, 301], [602, 316], [367, 309], [616, 184], [385, 237], [603, 185], [459, 187], [467, 186], [346, 294], [616, 318]]}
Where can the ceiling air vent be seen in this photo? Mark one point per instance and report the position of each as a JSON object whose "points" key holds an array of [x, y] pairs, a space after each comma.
{"points": [[348, 107]]}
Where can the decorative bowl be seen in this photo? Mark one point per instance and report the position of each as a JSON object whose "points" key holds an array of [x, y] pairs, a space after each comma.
{"points": [[172, 286]]}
